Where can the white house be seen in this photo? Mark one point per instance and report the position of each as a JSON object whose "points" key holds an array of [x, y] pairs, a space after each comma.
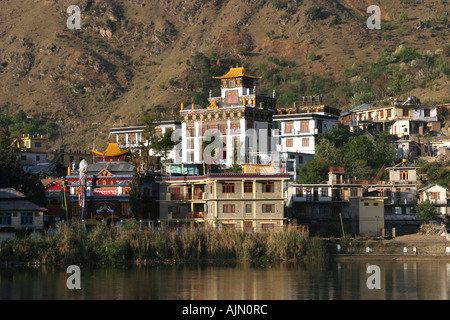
{"points": [[437, 195]]}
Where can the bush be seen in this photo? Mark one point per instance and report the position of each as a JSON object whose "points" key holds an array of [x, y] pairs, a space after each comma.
{"points": [[315, 12]]}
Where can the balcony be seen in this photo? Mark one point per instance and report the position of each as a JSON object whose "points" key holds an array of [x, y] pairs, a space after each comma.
{"points": [[188, 215], [185, 196]]}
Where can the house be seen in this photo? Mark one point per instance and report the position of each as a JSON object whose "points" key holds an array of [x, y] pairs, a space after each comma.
{"points": [[298, 126], [437, 195], [401, 197], [247, 202], [367, 215], [133, 137], [17, 213], [324, 207], [402, 118], [32, 150]]}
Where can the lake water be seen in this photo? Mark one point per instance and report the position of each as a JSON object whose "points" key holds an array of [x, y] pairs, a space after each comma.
{"points": [[422, 280]]}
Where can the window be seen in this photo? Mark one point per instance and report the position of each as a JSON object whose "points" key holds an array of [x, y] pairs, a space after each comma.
{"points": [[126, 190], [158, 132], [304, 126], [366, 204], [248, 208], [26, 218], [389, 113], [248, 187], [174, 193], [38, 158], [190, 156], [305, 142], [190, 131], [268, 187], [125, 208], [324, 192], [228, 188], [5, 219], [381, 114], [375, 204], [405, 112], [434, 196], [299, 192], [289, 143], [403, 174], [228, 208], [38, 144], [232, 97], [380, 192], [190, 143], [23, 157], [353, 192], [288, 127], [427, 112], [268, 208]]}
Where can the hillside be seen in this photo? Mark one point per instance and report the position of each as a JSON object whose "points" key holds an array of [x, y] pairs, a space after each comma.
{"points": [[135, 56]]}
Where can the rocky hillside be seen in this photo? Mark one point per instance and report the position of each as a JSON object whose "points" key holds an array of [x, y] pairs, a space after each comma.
{"points": [[135, 56]]}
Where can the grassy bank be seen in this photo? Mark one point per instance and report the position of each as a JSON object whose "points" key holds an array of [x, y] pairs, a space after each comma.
{"points": [[103, 245]]}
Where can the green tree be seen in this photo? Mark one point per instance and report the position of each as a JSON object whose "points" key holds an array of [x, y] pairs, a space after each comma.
{"points": [[426, 211], [11, 173], [162, 145], [315, 171]]}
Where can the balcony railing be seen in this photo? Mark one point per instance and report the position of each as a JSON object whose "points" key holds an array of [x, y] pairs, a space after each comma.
{"points": [[188, 215], [185, 196]]}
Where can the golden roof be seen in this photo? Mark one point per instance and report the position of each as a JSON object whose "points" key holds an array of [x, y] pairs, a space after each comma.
{"points": [[113, 150], [236, 73]]}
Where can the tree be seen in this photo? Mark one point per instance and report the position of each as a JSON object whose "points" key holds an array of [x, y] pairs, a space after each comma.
{"points": [[162, 145], [315, 171], [426, 211], [11, 173]]}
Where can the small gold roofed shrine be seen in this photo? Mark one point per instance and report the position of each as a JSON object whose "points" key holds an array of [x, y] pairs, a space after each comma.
{"points": [[237, 100], [112, 153]]}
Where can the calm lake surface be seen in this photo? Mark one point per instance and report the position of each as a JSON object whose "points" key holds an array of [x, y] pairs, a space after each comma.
{"points": [[421, 280]]}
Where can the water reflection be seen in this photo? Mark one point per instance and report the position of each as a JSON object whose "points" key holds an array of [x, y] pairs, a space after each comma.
{"points": [[340, 280]]}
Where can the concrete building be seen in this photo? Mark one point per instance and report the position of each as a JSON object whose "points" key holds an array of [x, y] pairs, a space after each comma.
{"points": [[438, 196], [133, 137], [297, 127], [17, 213], [247, 202], [32, 150], [324, 207], [402, 118], [367, 214]]}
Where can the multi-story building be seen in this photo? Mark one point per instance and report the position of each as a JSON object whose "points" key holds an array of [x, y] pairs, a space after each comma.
{"points": [[298, 126], [324, 207], [437, 195], [247, 202], [240, 118], [32, 150], [17, 213], [402, 118]]}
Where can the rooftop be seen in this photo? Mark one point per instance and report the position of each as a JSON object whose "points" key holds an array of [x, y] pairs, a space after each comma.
{"points": [[237, 72]]}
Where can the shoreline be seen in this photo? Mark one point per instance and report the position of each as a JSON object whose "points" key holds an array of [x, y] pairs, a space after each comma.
{"points": [[388, 257]]}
